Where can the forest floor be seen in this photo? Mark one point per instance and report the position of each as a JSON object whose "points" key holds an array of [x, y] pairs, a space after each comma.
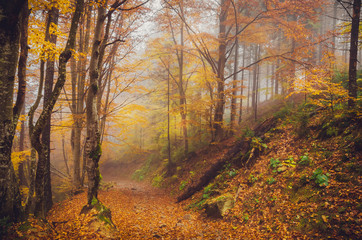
{"points": [[303, 185], [139, 211]]}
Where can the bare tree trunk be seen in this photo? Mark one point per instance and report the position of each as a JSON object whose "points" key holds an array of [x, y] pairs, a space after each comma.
{"points": [[335, 9], [353, 53], [321, 32], [257, 94], [255, 86], [182, 89], [10, 202], [77, 118], [22, 76], [106, 103], [249, 80], [242, 87], [277, 77], [32, 168], [267, 78], [23, 180], [81, 96], [220, 101], [170, 166], [234, 90], [272, 81], [43, 200]]}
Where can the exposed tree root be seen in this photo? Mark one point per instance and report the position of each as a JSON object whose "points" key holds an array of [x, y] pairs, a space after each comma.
{"points": [[240, 148]]}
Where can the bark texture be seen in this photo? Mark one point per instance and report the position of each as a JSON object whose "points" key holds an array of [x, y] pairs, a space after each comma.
{"points": [[10, 203], [220, 101], [42, 181], [92, 150], [353, 51]]}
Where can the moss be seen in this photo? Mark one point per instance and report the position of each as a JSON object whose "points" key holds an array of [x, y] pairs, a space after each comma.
{"points": [[157, 180], [104, 213], [96, 153]]}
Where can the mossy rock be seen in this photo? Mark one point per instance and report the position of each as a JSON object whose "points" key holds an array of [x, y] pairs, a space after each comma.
{"points": [[218, 206], [101, 219]]}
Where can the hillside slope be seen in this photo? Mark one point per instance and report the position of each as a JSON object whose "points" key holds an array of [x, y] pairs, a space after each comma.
{"points": [[306, 183]]}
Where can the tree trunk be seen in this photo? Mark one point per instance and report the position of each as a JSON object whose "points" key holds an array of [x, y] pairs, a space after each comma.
{"points": [[242, 87], [170, 166], [272, 81], [81, 96], [22, 87], [77, 125], [249, 80], [257, 94], [10, 202], [267, 78], [43, 200], [92, 150], [45, 114], [234, 90], [255, 85], [335, 9], [220, 101], [182, 89], [278, 72], [353, 53], [32, 167], [23, 180]]}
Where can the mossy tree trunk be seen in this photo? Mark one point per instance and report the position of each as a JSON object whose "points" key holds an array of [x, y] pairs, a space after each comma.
{"points": [[92, 150], [10, 12]]}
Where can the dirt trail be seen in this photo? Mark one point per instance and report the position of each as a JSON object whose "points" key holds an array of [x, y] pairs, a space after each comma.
{"points": [[143, 212]]}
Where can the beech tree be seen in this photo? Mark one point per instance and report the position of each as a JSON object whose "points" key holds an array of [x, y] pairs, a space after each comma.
{"points": [[42, 180], [10, 11], [36, 141], [93, 149], [352, 83]]}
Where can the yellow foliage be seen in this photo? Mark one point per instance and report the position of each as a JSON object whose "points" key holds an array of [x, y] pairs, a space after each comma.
{"points": [[24, 191], [318, 84], [19, 157], [22, 118]]}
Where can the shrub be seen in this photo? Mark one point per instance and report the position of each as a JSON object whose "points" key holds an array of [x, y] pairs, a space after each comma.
{"points": [[320, 179], [304, 160], [233, 172], [252, 179], [271, 180], [183, 184], [274, 163], [208, 188], [157, 180], [247, 133], [258, 143], [141, 173]]}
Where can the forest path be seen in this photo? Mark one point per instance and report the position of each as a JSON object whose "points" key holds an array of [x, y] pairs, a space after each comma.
{"points": [[142, 212]]}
